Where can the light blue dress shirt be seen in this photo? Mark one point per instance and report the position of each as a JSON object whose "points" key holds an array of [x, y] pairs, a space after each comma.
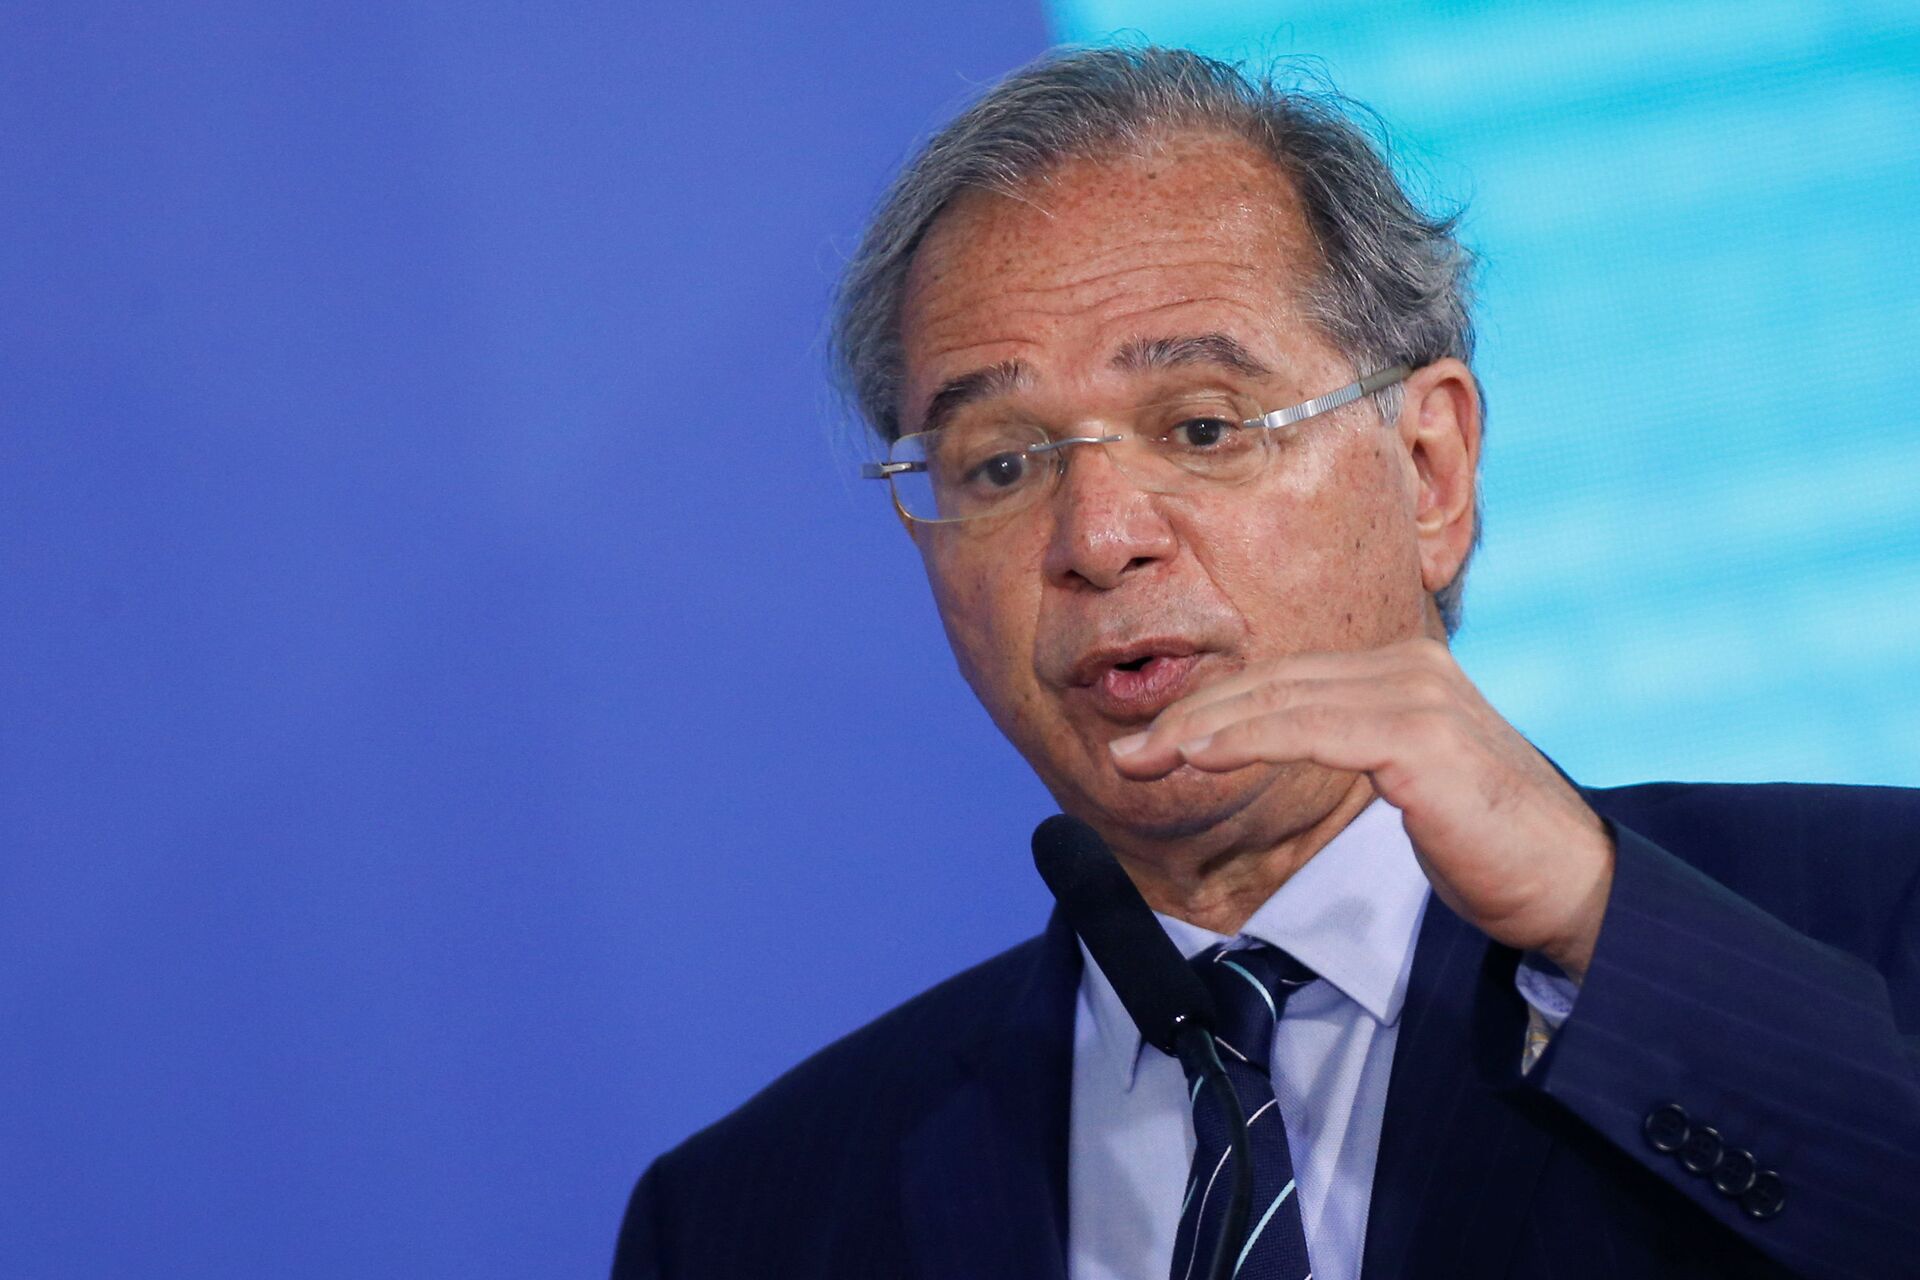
{"points": [[1352, 915]]}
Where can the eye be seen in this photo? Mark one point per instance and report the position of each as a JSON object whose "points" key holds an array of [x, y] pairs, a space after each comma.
{"points": [[1203, 433], [1001, 471]]}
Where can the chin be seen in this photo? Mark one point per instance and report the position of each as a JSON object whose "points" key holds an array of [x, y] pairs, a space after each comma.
{"points": [[1180, 806]]}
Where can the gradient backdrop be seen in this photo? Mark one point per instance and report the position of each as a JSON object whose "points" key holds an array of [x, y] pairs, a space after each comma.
{"points": [[460, 730]]}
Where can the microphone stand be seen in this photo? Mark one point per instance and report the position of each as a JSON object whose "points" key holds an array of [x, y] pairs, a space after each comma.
{"points": [[1193, 1044], [1164, 997]]}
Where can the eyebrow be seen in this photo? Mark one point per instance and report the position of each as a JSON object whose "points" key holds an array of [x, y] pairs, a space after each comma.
{"points": [[956, 394], [1223, 350], [1138, 355]]}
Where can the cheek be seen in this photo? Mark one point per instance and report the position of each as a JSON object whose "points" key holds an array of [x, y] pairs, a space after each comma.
{"points": [[1374, 553], [1325, 559], [987, 620]]}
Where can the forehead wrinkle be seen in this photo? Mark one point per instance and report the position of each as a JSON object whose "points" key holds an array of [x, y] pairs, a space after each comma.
{"points": [[931, 324], [1140, 355], [964, 299], [1212, 347]]}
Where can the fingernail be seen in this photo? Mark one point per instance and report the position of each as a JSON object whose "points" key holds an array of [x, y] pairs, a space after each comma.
{"points": [[1195, 747], [1128, 745]]}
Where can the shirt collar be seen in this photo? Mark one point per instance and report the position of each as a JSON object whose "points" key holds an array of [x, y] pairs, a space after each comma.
{"points": [[1351, 914]]}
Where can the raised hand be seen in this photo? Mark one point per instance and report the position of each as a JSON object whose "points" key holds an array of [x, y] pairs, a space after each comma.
{"points": [[1503, 838]]}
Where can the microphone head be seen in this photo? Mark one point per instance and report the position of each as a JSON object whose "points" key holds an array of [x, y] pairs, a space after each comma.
{"points": [[1160, 990]]}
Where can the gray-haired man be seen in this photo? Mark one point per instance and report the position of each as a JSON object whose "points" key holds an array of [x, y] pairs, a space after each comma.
{"points": [[1176, 390]]}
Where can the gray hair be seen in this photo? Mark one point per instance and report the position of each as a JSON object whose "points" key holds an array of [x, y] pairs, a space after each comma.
{"points": [[1395, 285]]}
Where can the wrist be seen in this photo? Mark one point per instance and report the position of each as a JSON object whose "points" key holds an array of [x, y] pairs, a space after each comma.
{"points": [[1572, 950]]}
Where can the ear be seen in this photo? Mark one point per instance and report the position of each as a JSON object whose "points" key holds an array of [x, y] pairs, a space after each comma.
{"points": [[1440, 431]]}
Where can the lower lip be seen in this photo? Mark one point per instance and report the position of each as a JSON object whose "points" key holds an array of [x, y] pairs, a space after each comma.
{"points": [[1140, 695]]}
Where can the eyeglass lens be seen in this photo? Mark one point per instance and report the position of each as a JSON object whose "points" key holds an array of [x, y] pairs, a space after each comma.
{"points": [[984, 466]]}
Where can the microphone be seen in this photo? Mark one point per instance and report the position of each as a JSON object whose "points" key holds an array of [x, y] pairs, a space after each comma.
{"points": [[1161, 992]]}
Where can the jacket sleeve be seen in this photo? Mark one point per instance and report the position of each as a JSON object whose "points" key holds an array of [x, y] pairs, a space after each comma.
{"points": [[1769, 1077]]}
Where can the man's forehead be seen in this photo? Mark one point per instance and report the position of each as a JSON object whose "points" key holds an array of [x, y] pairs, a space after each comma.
{"points": [[1177, 255]]}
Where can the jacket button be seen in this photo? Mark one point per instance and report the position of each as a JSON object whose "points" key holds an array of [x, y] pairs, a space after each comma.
{"points": [[1766, 1197], [1666, 1128], [1702, 1150], [1736, 1172]]}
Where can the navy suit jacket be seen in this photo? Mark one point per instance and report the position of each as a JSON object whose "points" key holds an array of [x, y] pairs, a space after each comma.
{"points": [[1759, 966]]}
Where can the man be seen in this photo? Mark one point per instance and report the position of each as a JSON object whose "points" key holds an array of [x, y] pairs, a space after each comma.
{"points": [[1181, 419]]}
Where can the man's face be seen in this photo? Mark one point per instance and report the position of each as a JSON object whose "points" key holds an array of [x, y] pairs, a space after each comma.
{"points": [[1078, 619]]}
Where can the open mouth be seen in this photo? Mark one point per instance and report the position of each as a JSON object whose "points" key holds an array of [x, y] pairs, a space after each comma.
{"points": [[1137, 686]]}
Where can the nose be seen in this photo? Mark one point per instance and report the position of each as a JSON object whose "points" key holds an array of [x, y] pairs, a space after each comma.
{"points": [[1105, 527]]}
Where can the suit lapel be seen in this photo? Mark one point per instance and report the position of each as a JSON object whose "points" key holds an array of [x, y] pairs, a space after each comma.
{"points": [[1462, 1144], [984, 1174]]}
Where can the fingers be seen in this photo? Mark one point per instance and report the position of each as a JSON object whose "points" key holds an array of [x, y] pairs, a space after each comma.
{"points": [[1307, 666], [1342, 724], [1357, 738], [1343, 711]]}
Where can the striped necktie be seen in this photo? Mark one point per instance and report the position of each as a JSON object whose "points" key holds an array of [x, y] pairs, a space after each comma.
{"points": [[1250, 989]]}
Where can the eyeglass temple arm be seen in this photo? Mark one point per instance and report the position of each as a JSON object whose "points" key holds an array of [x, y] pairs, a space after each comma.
{"points": [[888, 470], [1333, 399]]}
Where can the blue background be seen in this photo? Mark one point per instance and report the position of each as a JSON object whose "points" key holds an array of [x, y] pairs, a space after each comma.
{"points": [[461, 730]]}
